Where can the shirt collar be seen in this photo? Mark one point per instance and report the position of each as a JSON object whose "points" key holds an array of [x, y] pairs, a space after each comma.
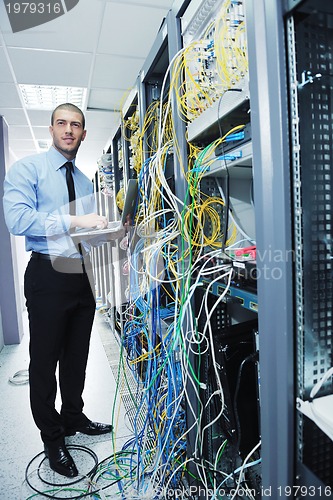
{"points": [[56, 158]]}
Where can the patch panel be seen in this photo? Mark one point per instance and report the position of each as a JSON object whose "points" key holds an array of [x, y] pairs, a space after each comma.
{"points": [[215, 59], [244, 298]]}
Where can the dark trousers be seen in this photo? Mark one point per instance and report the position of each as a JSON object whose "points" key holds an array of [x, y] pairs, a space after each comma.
{"points": [[61, 308]]}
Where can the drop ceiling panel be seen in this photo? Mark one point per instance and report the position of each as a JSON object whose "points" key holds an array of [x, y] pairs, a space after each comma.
{"points": [[9, 97], [116, 72], [95, 134], [42, 133], [15, 133], [14, 116], [5, 74], [4, 22], [78, 30], [106, 98], [125, 25], [50, 67], [41, 118], [22, 145], [152, 3], [100, 119]]}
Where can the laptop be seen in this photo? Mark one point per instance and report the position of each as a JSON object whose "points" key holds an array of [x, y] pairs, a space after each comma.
{"points": [[129, 209]]}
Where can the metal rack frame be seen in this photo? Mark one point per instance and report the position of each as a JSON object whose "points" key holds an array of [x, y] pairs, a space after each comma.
{"points": [[271, 165]]}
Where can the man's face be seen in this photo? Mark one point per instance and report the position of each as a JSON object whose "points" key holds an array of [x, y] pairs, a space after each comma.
{"points": [[67, 132]]}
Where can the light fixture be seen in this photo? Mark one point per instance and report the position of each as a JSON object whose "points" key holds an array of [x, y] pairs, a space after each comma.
{"points": [[48, 97]]}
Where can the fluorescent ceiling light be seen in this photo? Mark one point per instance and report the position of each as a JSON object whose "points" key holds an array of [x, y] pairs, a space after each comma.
{"points": [[48, 97]]}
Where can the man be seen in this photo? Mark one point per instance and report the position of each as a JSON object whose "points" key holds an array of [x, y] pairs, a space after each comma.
{"points": [[59, 296]]}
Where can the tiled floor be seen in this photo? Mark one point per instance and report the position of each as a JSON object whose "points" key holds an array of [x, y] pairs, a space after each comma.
{"points": [[20, 441]]}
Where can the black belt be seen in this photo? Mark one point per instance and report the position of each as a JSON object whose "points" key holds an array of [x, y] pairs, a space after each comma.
{"points": [[64, 264], [46, 256]]}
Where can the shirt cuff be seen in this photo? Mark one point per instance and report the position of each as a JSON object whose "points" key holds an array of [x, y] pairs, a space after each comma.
{"points": [[57, 224]]}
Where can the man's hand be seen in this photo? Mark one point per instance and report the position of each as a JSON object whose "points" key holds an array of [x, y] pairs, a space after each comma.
{"points": [[89, 221]]}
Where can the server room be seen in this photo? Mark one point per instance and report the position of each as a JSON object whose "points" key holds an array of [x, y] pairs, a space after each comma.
{"points": [[166, 262]]}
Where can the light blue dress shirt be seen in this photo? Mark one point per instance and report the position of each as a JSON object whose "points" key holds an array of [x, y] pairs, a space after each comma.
{"points": [[36, 202]]}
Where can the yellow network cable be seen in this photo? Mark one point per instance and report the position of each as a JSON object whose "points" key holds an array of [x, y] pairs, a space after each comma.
{"points": [[120, 199], [131, 133], [195, 85], [198, 224], [230, 46]]}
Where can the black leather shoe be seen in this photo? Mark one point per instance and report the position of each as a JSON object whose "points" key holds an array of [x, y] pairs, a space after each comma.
{"points": [[60, 460], [91, 428]]}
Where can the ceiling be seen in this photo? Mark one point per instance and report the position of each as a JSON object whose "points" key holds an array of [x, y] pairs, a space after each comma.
{"points": [[98, 44]]}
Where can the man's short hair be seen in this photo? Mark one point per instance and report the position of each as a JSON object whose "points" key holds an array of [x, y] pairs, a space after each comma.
{"points": [[70, 107]]}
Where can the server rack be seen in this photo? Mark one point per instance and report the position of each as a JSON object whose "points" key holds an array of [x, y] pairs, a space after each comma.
{"points": [[283, 311], [102, 256], [234, 107], [227, 183], [111, 259], [309, 44]]}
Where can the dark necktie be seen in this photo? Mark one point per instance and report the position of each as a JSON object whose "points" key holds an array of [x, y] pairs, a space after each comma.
{"points": [[71, 194], [70, 186]]}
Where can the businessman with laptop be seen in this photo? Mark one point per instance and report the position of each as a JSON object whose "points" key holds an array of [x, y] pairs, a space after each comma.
{"points": [[46, 199]]}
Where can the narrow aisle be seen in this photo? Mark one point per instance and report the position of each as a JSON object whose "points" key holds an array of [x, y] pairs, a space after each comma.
{"points": [[20, 441]]}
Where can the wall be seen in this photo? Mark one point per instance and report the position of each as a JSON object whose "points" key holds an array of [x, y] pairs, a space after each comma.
{"points": [[10, 295], [1, 333]]}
